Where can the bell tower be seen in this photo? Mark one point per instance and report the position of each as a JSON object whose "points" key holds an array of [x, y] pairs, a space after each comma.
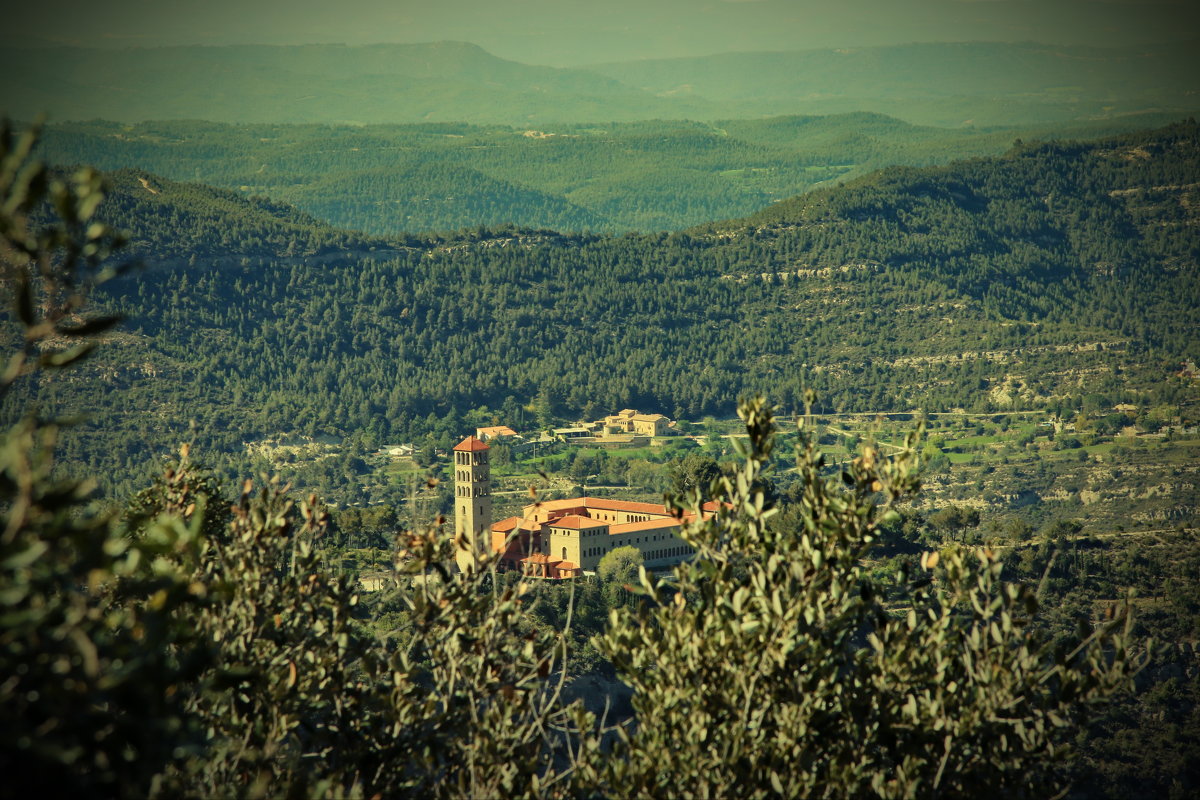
{"points": [[472, 498]]}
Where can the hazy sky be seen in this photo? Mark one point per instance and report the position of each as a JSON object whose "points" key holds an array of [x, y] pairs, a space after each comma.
{"points": [[569, 32]]}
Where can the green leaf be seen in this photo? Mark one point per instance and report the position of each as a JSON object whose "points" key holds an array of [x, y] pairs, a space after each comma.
{"points": [[24, 300], [89, 328], [30, 554], [776, 784], [71, 355]]}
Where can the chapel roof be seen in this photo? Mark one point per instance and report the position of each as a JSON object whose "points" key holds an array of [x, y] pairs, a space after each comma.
{"points": [[470, 445]]}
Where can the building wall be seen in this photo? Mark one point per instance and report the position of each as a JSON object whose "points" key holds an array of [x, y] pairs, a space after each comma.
{"points": [[594, 545], [669, 550], [654, 545], [658, 547], [650, 427], [566, 544], [472, 498]]}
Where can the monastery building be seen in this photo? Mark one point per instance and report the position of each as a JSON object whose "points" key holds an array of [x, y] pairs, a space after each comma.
{"points": [[560, 538]]}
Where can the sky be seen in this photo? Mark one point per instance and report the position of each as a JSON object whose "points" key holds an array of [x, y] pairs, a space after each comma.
{"points": [[577, 32]]}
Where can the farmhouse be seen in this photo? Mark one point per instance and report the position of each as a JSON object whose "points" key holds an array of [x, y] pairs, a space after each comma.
{"points": [[630, 421], [495, 432]]}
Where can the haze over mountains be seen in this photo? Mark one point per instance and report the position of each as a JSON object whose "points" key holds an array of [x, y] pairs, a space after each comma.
{"points": [[572, 33], [936, 83]]}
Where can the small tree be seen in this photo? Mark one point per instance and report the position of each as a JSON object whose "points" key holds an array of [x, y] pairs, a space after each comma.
{"points": [[620, 565], [618, 569], [693, 471], [473, 693], [773, 664]]}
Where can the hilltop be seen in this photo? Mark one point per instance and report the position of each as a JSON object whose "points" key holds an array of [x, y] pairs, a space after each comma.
{"points": [[441, 81], [173, 220]]}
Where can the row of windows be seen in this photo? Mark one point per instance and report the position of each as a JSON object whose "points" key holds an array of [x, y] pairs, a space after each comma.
{"points": [[464, 475], [616, 518], [669, 552], [650, 555], [470, 491], [478, 459], [603, 532]]}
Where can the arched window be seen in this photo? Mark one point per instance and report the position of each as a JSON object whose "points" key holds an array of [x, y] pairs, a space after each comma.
{"points": [[564, 554]]}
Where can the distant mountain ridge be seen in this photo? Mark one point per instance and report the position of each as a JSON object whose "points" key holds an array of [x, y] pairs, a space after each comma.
{"points": [[442, 81], [943, 83], [390, 180]]}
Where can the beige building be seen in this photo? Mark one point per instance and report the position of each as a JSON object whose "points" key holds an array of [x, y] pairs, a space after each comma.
{"points": [[630, 421], [558, 538], [562, 538], [494, 432]]}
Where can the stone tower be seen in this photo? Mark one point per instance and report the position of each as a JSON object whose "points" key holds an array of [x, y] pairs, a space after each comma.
{"points": [[472, 498]]}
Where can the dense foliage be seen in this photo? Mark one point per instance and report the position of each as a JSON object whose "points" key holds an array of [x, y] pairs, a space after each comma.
{"points": [[186, 648], [773, 663]]}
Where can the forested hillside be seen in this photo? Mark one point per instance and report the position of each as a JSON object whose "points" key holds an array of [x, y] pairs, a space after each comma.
{"points": [[1031, 280], [173, 220], [657, 175]]}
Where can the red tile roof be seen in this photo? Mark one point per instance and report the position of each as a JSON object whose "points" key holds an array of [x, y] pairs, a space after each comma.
{"points": [[470, 444], [581, 508], [577, 522], [506, 525], [625, 505], [495, 430], [559, 505], [548, 507], [646, 525], [554, 568]]}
